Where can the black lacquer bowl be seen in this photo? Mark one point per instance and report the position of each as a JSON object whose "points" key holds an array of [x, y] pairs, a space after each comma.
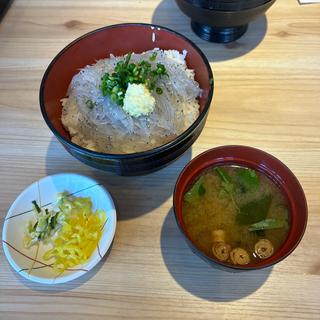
{"points": [[222, 20], [119, 40]]}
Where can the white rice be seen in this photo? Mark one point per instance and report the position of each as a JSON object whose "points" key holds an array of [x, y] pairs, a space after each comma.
{"points": [[107, 128]]}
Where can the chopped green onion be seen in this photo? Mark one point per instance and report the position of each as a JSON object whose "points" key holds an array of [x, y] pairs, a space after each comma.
{"points": [[34, 202], [90, 104], [153, 56], [159, 90], [116, 84], [128, 57]]}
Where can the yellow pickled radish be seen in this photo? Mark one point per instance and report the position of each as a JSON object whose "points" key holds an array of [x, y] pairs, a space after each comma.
{"points": [[79, 235]]}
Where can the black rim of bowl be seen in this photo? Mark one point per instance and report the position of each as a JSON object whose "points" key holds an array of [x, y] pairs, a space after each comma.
{"points": [[228, 3], [220, 263], [135, 155]]}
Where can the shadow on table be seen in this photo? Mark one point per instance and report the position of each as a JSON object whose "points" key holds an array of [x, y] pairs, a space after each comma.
{"points": [[133, 196], [4, 7], [168, 14], [62, 287], [197, 277]]}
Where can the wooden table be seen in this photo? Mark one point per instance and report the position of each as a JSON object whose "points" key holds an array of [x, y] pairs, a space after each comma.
{"points": [[267, 95]]}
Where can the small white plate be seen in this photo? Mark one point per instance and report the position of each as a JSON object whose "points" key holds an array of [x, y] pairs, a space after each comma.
{"points": [[45, 193]]}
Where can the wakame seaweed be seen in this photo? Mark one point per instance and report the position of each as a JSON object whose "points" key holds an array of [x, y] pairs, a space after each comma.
{"points": [[247, 178], [196, 191], [254, 211]]}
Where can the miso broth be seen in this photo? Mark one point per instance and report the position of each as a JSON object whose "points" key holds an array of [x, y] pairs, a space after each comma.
{"points": [[236, 215]]}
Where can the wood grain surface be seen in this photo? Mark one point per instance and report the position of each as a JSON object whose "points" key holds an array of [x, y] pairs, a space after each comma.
{"points": [[267, 95]]}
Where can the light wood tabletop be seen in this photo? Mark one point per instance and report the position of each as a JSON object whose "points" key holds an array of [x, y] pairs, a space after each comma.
{"points": [[267, 95]]}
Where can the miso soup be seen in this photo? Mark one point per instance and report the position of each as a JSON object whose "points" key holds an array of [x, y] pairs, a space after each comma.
{"points": [[236, 215]]}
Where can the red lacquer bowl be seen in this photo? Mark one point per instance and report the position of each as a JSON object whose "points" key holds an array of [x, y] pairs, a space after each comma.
{"points": [[264, 163], [119, 40]]}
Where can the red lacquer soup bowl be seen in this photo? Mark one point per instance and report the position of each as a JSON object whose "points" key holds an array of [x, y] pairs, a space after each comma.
{"points": [[119, 40], [267, 165]]}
